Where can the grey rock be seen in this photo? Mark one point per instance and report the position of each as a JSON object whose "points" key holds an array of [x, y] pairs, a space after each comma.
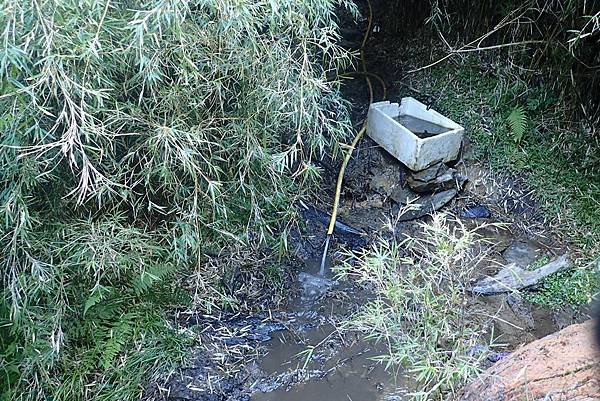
{"points": [[517, 305], [438, 177], [426, 204], [522, 253], [403, 195], [513, 277], [386, 178], [430, 173]]}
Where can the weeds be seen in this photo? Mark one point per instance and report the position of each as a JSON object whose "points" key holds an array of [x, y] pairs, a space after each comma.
{"points": [[554, 154], [135, 140], [576, 287], [421, 310], [517, 122]]}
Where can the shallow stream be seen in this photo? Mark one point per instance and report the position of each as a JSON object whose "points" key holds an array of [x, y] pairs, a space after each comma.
{"points": [[334, 365]]}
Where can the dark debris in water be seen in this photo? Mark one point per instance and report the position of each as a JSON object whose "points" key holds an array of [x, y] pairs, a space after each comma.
{"points": [[235, 329], [476, 212], [190, 383]]}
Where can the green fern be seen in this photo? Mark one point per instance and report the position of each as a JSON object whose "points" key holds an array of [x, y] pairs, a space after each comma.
{"points": [[517, 122], [98, 293], [119, 335], [148, 278]]}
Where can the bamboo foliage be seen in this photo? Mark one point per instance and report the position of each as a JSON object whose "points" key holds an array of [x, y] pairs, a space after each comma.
{"points": [[136, 135]]}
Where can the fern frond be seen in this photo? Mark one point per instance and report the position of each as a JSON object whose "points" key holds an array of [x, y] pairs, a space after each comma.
{"points": [[148, 278], [517, 122], [119, 335], [97, 295]]}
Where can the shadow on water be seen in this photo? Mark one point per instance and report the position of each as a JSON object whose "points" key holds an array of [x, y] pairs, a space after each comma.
{"points": [[421, 128]]}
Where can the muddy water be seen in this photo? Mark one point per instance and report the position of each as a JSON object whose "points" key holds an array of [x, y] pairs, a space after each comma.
{"points": [[329, 364], [349, 375], [421, 128], [272, 346], [312, 360]]}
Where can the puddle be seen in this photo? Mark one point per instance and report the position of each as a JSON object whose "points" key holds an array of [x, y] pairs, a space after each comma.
{"points": [[296, 353], [287, 350], [421, 128], [357, 378], [310, 360], [313, 360], [335, 372]]}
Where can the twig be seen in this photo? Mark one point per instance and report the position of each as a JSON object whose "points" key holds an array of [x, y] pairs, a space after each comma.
{"points": [[468, 48]]}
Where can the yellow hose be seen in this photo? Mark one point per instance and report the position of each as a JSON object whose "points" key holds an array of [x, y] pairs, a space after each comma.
{"points": [[338, 186], [359, 135]]}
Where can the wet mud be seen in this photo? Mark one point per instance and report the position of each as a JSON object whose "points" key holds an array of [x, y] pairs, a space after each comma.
{"points": [[303, 352], [337, 365]]}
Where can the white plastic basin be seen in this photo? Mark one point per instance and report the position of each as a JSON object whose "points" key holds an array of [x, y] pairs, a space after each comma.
{"points": [[416, 136]]}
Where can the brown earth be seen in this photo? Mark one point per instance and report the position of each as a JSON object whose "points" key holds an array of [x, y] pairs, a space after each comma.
{"points": [[562, 366]]}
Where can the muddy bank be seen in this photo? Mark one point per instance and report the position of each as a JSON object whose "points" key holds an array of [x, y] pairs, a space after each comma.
{"points": [[302, 351]]}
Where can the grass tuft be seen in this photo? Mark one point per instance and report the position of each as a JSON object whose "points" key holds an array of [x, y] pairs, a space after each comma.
{"points": [[421, 310]]}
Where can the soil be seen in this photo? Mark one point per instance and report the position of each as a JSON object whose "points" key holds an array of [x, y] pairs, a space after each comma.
{"points": [[298, 351], [562, 366]]}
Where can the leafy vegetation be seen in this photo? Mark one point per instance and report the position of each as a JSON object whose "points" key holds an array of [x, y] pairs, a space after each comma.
{"points": [[421, 310], [517, 122], [515, 127], [576, 287], [136, 139], [520, 76], [141, 141]]}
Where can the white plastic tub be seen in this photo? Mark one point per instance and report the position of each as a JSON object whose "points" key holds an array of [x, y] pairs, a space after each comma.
{"points": [[414, 135]]}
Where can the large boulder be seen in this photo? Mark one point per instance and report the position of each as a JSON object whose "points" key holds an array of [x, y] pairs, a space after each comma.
{"points": [[562, 366]]}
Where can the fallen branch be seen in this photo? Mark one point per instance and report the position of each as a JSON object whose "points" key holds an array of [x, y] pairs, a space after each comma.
{"points": [[475, 45], [513, 277]]}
